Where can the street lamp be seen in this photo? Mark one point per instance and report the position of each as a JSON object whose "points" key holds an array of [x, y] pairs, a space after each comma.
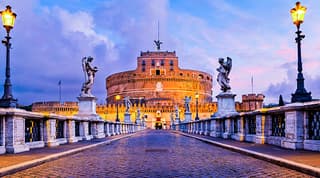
{"points": [[8, 18], [297, 14], [117, 103], [197, 116]]}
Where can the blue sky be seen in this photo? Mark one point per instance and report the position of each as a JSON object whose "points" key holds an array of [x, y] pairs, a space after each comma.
{"points": [[51, 37]]}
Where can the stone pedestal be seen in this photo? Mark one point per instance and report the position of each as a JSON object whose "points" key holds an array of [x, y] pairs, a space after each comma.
{"points": [[226, 104], [127, 118], [177, 121], [294, 130], [87, 105], [87, 113], [98, 130], [107, 129], [187, 117], [15, 135], [215, 128], [50, 133], [71, 138], [138, 121]]}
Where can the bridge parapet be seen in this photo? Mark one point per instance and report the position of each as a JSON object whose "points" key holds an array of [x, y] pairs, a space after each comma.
{"points": [[22, 130], [293, 126]]}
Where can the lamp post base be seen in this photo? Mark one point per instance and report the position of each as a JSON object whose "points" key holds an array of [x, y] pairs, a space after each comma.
{"points": [[301, 97], [8, 103]]}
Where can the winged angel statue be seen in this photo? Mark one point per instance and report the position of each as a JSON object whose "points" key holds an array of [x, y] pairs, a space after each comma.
{"points": [[223, 76], [89, 74]]}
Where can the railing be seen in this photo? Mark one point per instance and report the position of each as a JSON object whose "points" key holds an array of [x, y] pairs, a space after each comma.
{"points": [[32, 130], [313, 124], [278, 125], [26, 130], [251, 120], [1, 131], [60, 128], [294, 126]]}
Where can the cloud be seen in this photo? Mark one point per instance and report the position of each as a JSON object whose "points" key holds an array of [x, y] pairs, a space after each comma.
{"points": [[51, 37], [289, 85]]}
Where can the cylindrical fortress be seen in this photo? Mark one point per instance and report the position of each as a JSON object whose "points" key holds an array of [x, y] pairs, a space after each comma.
{"points": [[158, 80]]}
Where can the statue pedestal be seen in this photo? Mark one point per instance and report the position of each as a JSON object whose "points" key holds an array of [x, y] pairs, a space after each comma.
{"points": [[87, 105], [127, 118], [187, 117], [138, 121], [90, 119], [177, 120], [226, 104]]}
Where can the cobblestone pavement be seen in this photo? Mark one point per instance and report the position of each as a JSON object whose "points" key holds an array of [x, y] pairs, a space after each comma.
{"points": [[156, 153]]}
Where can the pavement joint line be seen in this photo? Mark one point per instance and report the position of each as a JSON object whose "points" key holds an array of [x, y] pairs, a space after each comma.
{"points": [[275, 160], [29, 164]]}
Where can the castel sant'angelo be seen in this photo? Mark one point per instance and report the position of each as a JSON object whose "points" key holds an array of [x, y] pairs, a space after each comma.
{"points": [[156, 88]]}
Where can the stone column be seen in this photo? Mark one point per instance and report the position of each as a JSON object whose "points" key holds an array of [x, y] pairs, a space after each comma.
{"points": [[2, 135], [240, 134], [294, 130], [15, 134], [50, 133], [99, 130], [227, 131], [84, 130], [205, 132], [117, 127], [201, 130], [111, 128], [107, 129], [261, 130], [216, 127], [71, 131]]}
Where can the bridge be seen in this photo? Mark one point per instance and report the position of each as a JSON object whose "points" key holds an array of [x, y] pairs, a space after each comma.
{"points": [[149, 153], [275, 142]]}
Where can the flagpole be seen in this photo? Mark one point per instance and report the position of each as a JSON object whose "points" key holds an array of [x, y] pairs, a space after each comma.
{"points": [[252, 84], [60, 91]]}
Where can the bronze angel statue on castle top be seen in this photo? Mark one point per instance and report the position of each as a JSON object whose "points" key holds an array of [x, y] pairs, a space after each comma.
{"points": [[223, 76]]}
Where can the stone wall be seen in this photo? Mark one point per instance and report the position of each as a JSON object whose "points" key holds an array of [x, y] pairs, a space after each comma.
{"points": [[293, 126]]}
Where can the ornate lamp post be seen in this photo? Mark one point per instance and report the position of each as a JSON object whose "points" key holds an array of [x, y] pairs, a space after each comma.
{"points": [[8, 18], [197, 98], [297, 14], [117, 100]]}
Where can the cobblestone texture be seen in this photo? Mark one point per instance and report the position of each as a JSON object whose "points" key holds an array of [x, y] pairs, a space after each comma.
{"points": [[157, 153]]}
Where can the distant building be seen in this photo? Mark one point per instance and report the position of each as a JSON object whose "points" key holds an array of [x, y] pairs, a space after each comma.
{"points": [[251, 102], [158, 80]]}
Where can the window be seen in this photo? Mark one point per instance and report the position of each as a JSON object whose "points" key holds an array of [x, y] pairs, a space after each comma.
{"points": [[153, 62], [157, 72], [171, 62], [143, 63], [143, 69], [162, 62]]}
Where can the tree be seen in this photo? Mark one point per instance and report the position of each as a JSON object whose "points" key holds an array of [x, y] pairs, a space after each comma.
{"points": [[281, 102]]}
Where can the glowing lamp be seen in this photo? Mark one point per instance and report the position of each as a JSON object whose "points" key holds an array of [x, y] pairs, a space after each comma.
{"points": [[8, 18], [297, 14], [197, 95], [117, 97]]}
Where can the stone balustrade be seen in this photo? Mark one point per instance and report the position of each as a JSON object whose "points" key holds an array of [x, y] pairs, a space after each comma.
{"points": [[21, 130], [293, 126]]}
